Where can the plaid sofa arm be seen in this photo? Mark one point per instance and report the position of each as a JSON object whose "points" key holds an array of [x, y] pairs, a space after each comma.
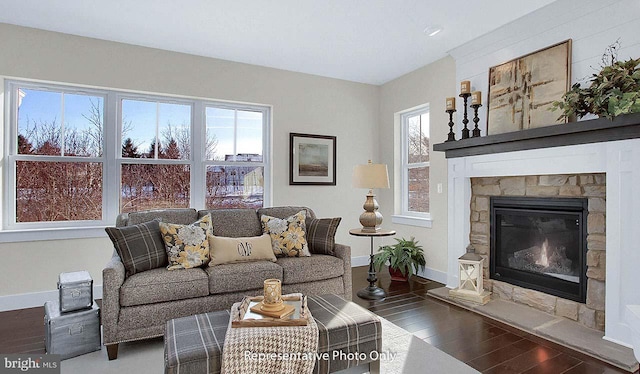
{"points": [[113, 275], [343, 252]]}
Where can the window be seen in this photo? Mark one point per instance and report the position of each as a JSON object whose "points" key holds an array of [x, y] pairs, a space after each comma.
{"points": [[155, 167], [415, 163], [76, 156], [234, 158], [57, 155]]}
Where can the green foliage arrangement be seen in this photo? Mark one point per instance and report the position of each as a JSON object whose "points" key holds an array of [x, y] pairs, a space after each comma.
{"points": [[406, 256], [613, 91]]}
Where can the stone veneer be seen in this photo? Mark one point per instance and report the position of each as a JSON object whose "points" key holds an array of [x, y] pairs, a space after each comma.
{"points": [[591, 186]]}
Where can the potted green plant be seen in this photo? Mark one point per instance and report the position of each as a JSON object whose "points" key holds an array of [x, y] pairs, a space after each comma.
{"points": [[613, 91], [404, 258]]}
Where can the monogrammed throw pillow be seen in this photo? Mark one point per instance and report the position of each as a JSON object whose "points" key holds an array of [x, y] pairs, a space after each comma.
{"points": [[226, 250]]}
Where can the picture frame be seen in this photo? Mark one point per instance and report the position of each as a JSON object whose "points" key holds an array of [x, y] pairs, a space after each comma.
{"points": [[522, 90], [312, 159]]}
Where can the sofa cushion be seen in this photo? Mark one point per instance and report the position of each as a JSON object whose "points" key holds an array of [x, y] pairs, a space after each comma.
{"points": [[187, 245], [241, 276], [180, 216], [309, 269], [160, 285], [227, 250], [321, 235], [234, 223], [287, 235], [140, 247]]}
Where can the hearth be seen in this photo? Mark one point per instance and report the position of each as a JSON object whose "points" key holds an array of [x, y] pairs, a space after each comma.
{"points": [[540, 244]]}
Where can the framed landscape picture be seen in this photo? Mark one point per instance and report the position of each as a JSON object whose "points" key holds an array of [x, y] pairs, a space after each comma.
{"points": [[521, 90], [312, 159]]}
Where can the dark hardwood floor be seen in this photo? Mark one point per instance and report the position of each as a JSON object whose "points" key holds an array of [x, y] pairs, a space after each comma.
{"points": [[486, 345], [482, 343]]}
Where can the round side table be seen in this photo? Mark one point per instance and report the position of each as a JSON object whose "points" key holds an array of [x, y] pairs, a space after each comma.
{"points": [[371, 292]]}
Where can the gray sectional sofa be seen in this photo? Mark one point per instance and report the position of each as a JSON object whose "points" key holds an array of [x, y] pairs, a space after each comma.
{"points": [[137, 307]]}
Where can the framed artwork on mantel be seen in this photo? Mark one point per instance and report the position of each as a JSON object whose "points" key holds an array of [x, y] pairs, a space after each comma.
{"points": [[312, 159], [521, 90]]}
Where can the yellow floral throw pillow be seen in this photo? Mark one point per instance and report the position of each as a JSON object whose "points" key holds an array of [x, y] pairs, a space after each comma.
{"points": [[287, 235], [187, 245]]}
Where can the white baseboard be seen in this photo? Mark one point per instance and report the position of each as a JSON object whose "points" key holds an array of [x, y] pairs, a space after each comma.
{"points": [[617, 342], [431, 274], [359, 261], [434, 275], [34, 299]]}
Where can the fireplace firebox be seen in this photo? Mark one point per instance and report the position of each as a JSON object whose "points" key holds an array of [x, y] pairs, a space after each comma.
{"points": [[540, 244]]}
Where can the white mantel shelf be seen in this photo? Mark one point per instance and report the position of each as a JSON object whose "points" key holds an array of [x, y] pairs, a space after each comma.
{"points": [[572, 133]]}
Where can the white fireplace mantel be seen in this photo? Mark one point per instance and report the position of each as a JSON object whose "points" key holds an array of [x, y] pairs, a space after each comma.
{"points": [[620, 160]]}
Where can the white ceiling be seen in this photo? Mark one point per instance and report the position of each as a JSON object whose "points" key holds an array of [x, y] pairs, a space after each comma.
{"points": [[369, 41]]}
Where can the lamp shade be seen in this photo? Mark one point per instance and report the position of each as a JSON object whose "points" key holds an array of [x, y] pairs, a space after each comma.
{"points": [[370, 176]]}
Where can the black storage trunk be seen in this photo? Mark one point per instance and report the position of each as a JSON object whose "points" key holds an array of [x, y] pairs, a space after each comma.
{"points": [[71, 334]]}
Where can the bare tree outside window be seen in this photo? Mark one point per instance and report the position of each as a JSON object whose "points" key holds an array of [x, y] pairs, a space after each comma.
{"points": [[58, 191], [158, 185], [68, 126], [154, 187], [63, 142]]}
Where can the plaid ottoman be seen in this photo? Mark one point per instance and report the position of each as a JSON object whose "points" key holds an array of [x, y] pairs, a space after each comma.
{"points": [[348, 334]]}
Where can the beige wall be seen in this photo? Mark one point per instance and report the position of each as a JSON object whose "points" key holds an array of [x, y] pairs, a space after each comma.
{"points": [[427, 85], [301, 103]]}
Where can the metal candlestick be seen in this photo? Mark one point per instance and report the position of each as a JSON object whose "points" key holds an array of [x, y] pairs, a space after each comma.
{"points": [[476, 130], [451, 136], [465, 120]]}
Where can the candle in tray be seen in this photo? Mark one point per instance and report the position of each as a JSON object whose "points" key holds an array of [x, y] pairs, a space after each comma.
{"points": [[465, 87], [451, 103], [272, 292], [476, 98]]}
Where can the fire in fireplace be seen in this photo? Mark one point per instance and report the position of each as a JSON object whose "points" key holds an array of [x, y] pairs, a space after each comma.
{"points": [[540, 243]]}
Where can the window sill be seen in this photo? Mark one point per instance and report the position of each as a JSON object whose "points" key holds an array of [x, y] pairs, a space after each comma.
{"points": [[412, 221], [33, 235]]}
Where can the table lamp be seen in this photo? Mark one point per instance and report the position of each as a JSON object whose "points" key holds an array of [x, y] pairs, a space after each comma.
{"points": [[370, 176]]}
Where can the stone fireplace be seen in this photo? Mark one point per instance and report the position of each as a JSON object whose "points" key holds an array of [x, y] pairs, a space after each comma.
{"points": [[597, 160], [553, 230]]}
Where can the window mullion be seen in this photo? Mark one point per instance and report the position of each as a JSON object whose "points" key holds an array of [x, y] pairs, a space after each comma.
{"points": [[112, 152], [266, 157], [198, 143], [405, 162], [235, 134], [55, 158], [417, 165], [157, 143], [62, 138]]}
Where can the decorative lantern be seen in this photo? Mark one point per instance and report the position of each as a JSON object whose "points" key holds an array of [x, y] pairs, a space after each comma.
{"points": [[470, 285]]}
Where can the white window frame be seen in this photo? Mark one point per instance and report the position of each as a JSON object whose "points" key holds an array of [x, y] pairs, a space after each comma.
{"points": [[12, 157], [266, 116], [119, 97], [111, 159], [404, 215]]}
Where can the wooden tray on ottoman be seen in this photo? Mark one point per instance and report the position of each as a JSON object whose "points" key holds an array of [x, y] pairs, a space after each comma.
{"points": [[247, 318]]}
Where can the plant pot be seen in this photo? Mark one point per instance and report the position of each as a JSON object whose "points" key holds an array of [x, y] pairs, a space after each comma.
{"points": [[396, 275]]}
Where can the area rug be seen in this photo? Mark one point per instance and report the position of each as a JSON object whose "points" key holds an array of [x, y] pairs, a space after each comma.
{"points": [[404, 353]]}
